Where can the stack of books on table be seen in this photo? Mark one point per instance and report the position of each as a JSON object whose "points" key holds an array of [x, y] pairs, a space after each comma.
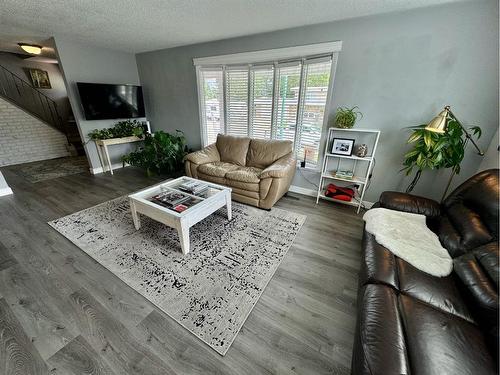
{"points": [[193, 187], [344, 173], [173, 200]]}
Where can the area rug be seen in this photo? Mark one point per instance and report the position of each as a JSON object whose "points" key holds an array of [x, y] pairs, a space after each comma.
{"points": [[54, 168], [211, 290]]}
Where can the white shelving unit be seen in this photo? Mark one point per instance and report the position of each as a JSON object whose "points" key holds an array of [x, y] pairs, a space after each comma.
{"points": [[361, 166]]}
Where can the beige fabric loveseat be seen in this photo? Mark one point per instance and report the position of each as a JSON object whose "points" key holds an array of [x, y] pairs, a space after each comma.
{"points": [[258, 171]]}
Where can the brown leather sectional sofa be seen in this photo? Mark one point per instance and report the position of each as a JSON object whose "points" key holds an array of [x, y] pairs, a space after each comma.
{"points": [[258, 171], [410, 322]]}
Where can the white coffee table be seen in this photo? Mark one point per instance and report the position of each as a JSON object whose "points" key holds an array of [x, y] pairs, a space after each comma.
{"points": [[205, 204]]}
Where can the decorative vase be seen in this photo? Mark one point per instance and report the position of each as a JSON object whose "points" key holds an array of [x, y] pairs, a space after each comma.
{"points": [[362, 150]]}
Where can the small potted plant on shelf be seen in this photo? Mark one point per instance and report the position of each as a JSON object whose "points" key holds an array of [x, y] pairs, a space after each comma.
{"points": [[345, 117]]}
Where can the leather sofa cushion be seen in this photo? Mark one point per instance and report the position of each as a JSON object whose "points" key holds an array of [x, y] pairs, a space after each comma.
{"points": [[379, 333], [439, 292], [478, 272], [245, 174], [233, 149], [264, 152], [440, 343], [378, 265], [247, 186], [480, 194], [394, 200], [217, 168]]}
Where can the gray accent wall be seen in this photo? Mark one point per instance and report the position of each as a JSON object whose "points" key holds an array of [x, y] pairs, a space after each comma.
{"points": [[399, 68], [83, 63]]}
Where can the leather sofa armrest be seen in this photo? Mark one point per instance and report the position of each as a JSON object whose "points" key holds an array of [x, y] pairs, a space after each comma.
{"points": [[409, 203], [207, 155], [281, 167]]}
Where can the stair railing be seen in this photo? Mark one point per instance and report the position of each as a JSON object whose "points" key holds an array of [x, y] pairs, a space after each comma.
{"points": [[22, 94]]}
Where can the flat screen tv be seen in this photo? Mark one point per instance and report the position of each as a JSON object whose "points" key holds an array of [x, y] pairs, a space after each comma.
{"points": [[103, 101]]}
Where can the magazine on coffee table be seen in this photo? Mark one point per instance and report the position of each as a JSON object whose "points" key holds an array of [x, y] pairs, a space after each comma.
{"points": [[174, 200]]}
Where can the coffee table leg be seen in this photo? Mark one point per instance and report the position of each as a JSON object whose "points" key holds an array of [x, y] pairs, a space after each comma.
{"points": [[135, 216], [183, 231], [229, 208]]}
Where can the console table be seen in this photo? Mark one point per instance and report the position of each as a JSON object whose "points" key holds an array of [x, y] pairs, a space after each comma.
{"points": [[102, 149]]}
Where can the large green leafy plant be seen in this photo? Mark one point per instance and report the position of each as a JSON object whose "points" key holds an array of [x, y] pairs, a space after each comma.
{"points": [[126, 128], [434, 150], [161, 153]]}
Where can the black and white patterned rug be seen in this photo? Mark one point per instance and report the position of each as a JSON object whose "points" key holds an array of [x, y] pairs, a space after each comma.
{"points": [[211, 290]]}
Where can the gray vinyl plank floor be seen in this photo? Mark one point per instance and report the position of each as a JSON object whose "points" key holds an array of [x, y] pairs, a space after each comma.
{"points": [[63, 313]]}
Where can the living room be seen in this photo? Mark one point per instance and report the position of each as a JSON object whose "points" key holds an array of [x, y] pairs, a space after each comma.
{"points": [[303, 187]]}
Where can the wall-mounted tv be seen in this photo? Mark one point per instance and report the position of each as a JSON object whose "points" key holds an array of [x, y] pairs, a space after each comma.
{"points": [[103, 101]]}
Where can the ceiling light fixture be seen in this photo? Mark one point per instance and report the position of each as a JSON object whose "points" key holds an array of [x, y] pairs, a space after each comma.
{"points": [[31, 48]]}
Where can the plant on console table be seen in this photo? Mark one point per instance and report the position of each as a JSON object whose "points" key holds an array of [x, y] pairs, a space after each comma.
{"points": [[161, 153], [439, 144]]}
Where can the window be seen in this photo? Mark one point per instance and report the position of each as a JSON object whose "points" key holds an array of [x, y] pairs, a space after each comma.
{"points": [[281, 99]]}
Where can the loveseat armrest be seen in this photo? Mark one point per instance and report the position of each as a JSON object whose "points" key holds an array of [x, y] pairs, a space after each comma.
{"points": [[282, 167], [409, 203], [208, 154]]}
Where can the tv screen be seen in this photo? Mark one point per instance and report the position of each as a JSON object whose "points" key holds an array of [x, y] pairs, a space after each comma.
{"points": [[102, 101]]}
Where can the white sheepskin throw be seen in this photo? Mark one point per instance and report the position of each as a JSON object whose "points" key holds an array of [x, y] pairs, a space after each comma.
{"points": [[406, 236]]}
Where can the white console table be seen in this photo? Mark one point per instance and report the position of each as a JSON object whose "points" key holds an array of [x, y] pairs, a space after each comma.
{"points": [[102, 149]]}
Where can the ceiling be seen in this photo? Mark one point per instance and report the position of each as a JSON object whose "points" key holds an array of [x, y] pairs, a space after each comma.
{"points": [[145, 25]]}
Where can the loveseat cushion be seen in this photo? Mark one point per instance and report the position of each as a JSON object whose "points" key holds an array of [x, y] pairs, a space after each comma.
{"points": [[217, 168], [233, 149], [264, 152], [440, 343], [245, 174]]}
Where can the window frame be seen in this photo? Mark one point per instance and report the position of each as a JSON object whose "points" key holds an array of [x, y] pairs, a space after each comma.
{"points": [[271, 57]]}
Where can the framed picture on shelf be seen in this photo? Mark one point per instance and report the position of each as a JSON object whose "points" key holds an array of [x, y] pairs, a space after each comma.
{"points": [[342, 146]]}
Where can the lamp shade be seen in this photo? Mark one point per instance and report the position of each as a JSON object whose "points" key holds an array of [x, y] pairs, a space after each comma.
{"points": [[438, 124]]}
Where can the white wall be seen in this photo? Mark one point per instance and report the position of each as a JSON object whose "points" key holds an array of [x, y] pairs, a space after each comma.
{"points": [[83, 63], [491, 154], [24, 138], [401, 69]]}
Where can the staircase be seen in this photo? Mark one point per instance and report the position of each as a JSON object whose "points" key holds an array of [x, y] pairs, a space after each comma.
{"points": [[20, 93]]}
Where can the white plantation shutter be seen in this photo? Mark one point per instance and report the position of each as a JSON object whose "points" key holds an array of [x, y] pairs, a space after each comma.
{"points": [[261, 101], [237, 101], [316, 76], [269, 100], [211, 103], [287, 101]]}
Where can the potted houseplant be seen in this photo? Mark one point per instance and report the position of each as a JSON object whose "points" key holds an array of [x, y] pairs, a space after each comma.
{"points": [[432, 150], [161, 153], [345, 117]]}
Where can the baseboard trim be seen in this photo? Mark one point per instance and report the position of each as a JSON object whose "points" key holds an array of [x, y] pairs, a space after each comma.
{"points": [[314, 193], [6, 191], [303, 191], [99, 170]]}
